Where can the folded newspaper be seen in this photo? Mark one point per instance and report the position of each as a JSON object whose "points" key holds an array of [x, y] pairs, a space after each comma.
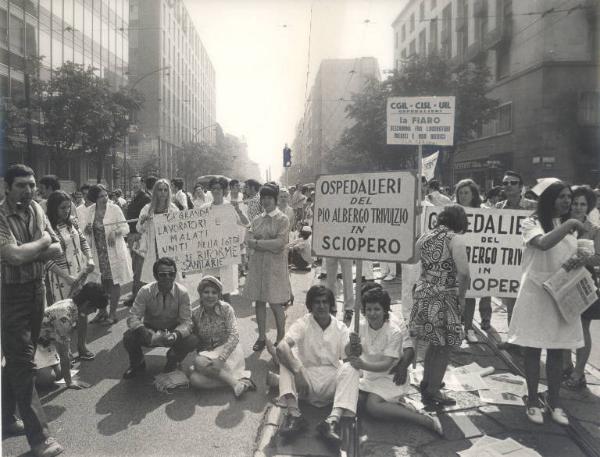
{"points": [[488, 446], [573, 291]]}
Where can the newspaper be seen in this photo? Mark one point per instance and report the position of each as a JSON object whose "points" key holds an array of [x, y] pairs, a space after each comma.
{"points": [[488, 446], [467, 378], [573, 291], [500, 398]]}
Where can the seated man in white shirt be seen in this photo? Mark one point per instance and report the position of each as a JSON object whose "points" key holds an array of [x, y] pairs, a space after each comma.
{"points": [[311, 368], [299, 250]]}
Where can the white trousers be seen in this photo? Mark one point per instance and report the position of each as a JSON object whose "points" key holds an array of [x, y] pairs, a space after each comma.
{"points": [[331, 268], [326, 384]]}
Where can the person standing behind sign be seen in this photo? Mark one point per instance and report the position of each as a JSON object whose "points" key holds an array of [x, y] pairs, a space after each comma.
{"points": [[537, 323], [105, 228], [439, 298], [160, 204], [467, 195], [268, 276]]}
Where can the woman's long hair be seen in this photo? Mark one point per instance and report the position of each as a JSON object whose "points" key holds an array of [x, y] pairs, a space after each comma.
{"points": [[545, 205], [476, 197], [155, 203], [54, 201]]}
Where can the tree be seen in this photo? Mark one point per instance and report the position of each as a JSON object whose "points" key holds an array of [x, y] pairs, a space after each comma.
{"points": [[197, 159], [81, 111], [363, 146]]}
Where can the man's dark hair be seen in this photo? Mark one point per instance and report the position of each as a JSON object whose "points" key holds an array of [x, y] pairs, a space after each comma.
{"points": [[118, 192], [93, 293], [84, 187], [233, 182], [150, 181], [319, 291], [253, 184], [50, 181], [168, 261], [377, 295], [221, 182], [178, 183], [16, 170], [434, 184], [514, 174], [453, 217]]}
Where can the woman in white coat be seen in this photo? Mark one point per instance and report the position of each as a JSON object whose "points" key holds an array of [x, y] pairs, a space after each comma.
{"points": [[105, 228], [161, 203]]}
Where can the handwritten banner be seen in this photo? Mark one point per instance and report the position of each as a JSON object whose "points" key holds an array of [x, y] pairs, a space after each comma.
{"points": [[494, 249], [199, 239], [369, 216]]}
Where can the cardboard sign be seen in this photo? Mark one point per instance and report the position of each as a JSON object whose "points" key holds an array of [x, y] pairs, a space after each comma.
{"points": [[494, 249], [199, 238], [369, 216], [429, 163], [420, 120]]}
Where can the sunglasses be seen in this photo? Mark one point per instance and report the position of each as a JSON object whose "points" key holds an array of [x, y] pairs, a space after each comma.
{"points": [[512, 183], [166, 274]]}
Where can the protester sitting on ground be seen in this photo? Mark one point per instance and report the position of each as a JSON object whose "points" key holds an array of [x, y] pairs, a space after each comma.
{"points": [[160, 204], [299, 250], [220, 359], [387, 352], [467, 195], [268, 276], [161, 316], [68, 272], [57, 328], [584, 200], [435, 196], [439, 298], [311, 367], [105, 228], [537, 322], [493, 196]]}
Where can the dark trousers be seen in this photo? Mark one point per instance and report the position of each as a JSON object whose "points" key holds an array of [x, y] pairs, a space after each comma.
{"points": [[135, 340], [137, 262], [296, 259], [485, 310], [22, 313]]}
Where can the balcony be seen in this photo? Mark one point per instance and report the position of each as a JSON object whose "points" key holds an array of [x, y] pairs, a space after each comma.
{"points": [[502, 34]]}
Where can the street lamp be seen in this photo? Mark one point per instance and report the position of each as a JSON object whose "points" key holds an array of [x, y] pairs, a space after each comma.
{"points": [[200, 130]]}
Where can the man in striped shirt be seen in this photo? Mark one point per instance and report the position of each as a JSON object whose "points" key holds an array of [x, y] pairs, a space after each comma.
{"points": [[26, 243]]}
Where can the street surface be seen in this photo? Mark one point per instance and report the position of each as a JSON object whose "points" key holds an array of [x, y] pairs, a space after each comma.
{"points": [[115, 417]]}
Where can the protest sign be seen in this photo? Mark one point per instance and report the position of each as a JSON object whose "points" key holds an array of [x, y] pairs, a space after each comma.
{"points": [[494, 249], [199, 238], [368, 216], [420, 120], [429, 163]]}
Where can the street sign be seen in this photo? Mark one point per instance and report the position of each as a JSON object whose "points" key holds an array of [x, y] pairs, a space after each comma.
{"points": [[368, 216], [420, 120]]}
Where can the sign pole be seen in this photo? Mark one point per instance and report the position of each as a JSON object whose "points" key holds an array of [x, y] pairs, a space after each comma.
{"points": [[419, 172], [357, 297]]}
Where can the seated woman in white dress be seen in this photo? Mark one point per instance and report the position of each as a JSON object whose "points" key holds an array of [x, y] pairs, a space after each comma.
{"points": [[220, 361], [387, 352]]}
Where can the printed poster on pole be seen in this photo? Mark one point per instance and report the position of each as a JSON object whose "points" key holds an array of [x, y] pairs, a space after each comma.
{"points": [[367, 216]]}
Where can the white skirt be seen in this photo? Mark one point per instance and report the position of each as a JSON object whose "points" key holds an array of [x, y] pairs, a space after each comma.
{"points": [[235, 363], [382, 385]]}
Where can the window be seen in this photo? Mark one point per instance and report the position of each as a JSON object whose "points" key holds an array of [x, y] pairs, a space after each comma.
{"points": [[57, 56], [462, 29], [589, 108], [423, 42], [481, 20], [17, 41], [422, 11], [45, 47], [502, 61], [433, 4], [412, 48], [403, 53], [433, 36], [447, 32], [412, 22], [499, 123], [3, 29], [68, 12], [403, 33], [396, 40]]}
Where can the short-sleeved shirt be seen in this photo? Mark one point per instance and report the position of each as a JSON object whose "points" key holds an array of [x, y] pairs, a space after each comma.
{"points": [[14, 229], [316, 347], [59, 321], [524, 203]]}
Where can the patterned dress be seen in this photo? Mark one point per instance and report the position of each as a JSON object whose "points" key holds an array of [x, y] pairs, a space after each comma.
{"points": [[435, 316], [99, 234]]}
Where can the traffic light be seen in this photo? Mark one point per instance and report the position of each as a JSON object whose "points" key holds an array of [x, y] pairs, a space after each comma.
{"points": [[287, 156]]}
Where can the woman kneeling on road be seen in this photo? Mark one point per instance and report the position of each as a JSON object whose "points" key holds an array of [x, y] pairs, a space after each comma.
{"points": [[387, 352], [220, 359]]}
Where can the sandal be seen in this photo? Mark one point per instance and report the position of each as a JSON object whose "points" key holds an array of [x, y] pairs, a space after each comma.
{"points": [[101, 316], [575, 384], [259, 345], [567, 372], [247, 385], [86, 355]]}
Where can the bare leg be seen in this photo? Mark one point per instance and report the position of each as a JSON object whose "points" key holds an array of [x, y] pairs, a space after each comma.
{"points": [[82, 334], [199, 381], [427, 366], [379, 408], [583, 354], [532, 373], [115, 294], [203, 367], [279, 314], [261, 319]]}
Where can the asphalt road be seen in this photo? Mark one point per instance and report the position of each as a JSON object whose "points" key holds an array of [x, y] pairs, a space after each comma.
{"points": [[117, 417]]}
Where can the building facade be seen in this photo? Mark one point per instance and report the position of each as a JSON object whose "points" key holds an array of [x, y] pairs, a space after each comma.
{"points": [[324, 119], [87, 32], [543, 57], [172, 68]]}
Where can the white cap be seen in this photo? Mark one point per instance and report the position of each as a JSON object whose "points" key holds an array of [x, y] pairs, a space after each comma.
{"points": [[542, 185]]}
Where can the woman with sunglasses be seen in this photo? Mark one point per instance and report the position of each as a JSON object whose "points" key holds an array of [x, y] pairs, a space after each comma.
{"points": [[467, 195], [161, 203], [550, 240], [105, 229]]}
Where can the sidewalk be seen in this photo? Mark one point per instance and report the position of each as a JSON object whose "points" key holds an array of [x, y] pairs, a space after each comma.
{"points": [[464, 423]]}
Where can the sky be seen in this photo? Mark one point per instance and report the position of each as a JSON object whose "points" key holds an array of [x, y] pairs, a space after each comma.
{"points": [[260, 51]]}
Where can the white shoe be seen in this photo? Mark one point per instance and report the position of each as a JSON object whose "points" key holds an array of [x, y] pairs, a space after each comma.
{"points": [[535, 414], [471, 337], [389, 278], [558, 415]]}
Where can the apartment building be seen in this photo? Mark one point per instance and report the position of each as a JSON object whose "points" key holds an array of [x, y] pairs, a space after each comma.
{"points": [[543, 57]]}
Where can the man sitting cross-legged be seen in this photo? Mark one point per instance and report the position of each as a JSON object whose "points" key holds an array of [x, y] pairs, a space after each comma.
{"points": [[310, 357], [161, 316]]}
